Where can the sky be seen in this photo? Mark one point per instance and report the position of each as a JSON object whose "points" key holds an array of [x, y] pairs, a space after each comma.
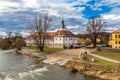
{"points": [[16, 14]]}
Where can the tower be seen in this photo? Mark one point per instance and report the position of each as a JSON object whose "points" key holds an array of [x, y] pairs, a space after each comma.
{"points": [[63, 24]]}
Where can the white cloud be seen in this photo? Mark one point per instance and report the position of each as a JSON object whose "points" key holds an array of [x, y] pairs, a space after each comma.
{"points": [[111, 17], [31, 3], [24, 33], [3, 34], [56, 8]]}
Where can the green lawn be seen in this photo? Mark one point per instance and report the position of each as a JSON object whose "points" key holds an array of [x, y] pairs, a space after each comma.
{"points": [[111, 55], [100, 62], [46, 49], [106, 63]]}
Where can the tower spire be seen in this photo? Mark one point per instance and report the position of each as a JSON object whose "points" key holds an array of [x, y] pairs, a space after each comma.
{"points": [[62, 23]]}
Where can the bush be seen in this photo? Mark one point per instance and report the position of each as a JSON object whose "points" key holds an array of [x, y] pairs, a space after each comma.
{"points": [[19, 42], [5, 44]]}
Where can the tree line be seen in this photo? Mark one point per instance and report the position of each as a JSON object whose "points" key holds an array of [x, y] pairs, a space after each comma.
{"points": [[12, 42]]}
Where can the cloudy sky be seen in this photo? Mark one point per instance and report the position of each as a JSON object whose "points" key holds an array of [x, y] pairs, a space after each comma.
{"points": [[15, 14]]}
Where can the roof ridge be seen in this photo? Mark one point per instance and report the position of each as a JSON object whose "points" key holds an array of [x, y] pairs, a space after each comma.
{"points": [[116, 31]]}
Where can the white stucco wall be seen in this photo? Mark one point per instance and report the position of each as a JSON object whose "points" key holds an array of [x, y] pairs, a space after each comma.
{"points": [[66, 41], [30, 41], [58, 40]]}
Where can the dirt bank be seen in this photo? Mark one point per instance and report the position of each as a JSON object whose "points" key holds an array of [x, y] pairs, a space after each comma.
{"points": [[93, 70]]}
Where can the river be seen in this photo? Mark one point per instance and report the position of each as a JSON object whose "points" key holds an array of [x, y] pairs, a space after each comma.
{"points": [[18, 67]]}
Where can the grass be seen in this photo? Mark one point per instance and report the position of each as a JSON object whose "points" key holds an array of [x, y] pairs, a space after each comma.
{"points": [[106, 63], [112, 55], [110, 65], [45, 49]]}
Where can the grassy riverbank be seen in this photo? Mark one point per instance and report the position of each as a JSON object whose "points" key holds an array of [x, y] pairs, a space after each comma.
{"points": [[101, 62], [108, 54], [93, 70], [45, 49]]}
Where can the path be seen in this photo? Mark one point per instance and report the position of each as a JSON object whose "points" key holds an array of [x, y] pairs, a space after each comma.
{"points": [[104, 58]]}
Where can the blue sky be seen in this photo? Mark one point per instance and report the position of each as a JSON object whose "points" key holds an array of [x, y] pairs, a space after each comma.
{"points": [[15, 14]]}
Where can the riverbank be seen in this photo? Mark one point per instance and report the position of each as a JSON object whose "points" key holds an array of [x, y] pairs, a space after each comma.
{"points": [[93, 70], [65, 59]]}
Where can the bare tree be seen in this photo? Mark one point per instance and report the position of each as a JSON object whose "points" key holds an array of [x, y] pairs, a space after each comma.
{"points": [[38, 28], [94, 27]]}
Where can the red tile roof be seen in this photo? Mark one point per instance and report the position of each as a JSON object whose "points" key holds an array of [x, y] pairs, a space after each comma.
{"points": [[64, 32], [50, 34], [60, 32], [116, 31]]}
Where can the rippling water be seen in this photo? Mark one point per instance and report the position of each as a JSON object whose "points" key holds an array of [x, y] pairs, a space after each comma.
{"points": [[11, 62], [17, 67]]}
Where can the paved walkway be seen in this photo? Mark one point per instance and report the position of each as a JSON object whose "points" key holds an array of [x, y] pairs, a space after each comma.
{"points": [[104, 58]]}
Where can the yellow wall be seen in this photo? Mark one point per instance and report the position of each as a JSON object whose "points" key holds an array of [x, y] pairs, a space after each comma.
{"points": [[115, 40]]}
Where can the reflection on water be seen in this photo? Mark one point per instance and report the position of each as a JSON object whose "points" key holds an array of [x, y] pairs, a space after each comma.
{"points": [[15, 66]]}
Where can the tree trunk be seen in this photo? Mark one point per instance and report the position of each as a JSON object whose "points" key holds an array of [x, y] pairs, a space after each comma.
{"points": [[94, 43], [41, 48]]}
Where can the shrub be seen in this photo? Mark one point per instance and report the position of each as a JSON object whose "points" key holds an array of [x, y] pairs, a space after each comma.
{"points": [[19, 42]]}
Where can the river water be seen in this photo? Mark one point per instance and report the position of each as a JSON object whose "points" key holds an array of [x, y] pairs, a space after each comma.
{"points": [[18, 67]]}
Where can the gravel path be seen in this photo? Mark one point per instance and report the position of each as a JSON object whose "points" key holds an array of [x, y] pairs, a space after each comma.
{"points": [[104, 58]]}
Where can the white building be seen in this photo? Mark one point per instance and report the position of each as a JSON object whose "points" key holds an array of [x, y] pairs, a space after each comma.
{"points": [[60, 39]]}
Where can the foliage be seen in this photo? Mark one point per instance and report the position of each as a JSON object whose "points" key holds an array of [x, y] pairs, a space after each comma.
{"points": [[19, 42], [10, 43], [5, 44]]}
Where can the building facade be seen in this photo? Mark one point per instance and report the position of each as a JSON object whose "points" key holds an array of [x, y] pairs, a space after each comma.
{"points": [[60, 39], [115, 39]]}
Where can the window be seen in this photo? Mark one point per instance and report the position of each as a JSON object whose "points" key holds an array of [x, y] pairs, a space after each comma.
{"points": [[115, 36], [60, 38], [119, 36], [115, 42], [119, 42]]}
